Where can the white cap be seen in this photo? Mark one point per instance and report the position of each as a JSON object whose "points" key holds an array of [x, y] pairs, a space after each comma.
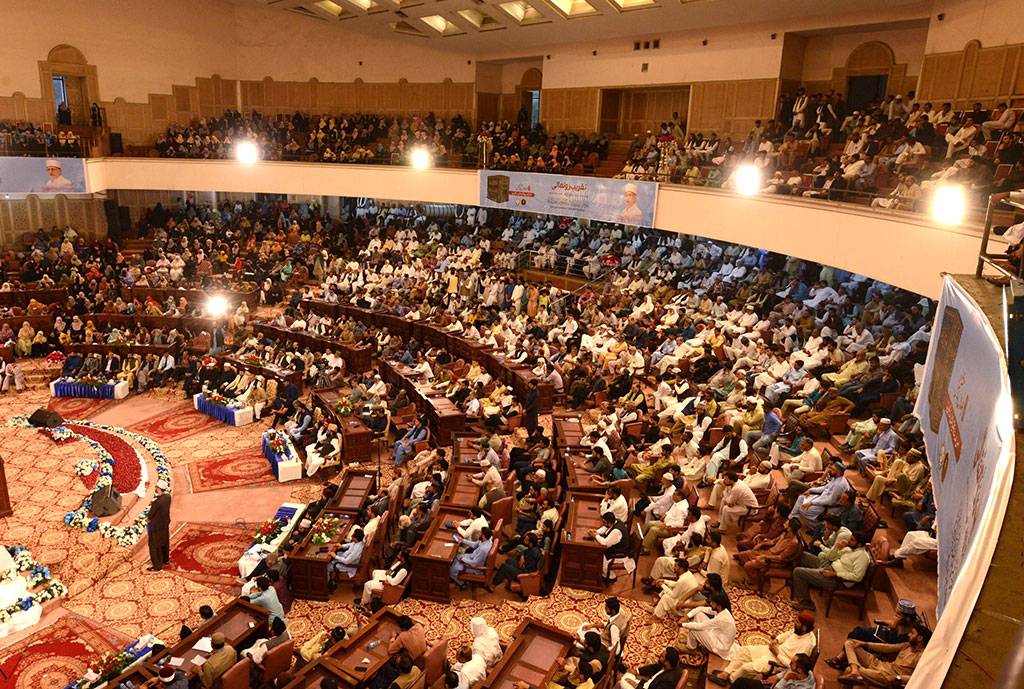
{"points": [[887, 421], [163, 485], [54, 163], [631, 188]]}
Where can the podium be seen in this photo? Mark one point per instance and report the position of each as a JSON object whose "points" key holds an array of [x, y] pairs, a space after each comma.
{"points": [[5, 497]]}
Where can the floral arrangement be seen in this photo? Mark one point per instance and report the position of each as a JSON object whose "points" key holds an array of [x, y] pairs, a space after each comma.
{"points": [[99, 674], [91, 381], [343, 407], [324, 530], [268, 531], [85, 467], [281, 444], [221, 400], [114, 664], [254, 360], [38, 576], [62, 434], [55, 359]]}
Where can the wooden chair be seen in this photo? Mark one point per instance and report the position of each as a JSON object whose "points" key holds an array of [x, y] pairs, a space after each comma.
{"points": [[532, 584], [392, 594], [502, 510], [635, 547], [237, 676], [857, 594], [626, 486], [277, 660], [422, 445], [434, 662], [780, 570]]}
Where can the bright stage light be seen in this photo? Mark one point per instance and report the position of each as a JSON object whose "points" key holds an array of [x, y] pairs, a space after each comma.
{"points": [[420, 159], [748, 180], [247, 153], [949, 205], [217, 306]]}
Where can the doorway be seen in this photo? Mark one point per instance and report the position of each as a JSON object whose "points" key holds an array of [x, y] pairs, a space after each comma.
{"points": [[531, 103], [862, 90]]}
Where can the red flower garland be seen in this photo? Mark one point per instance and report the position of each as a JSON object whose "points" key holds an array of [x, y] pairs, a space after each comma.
{"points": [[127, 469]]}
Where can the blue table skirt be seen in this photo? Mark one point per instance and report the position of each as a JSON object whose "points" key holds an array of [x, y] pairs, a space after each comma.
{"points": [[64, 388], [217, 411], [274, 458]]}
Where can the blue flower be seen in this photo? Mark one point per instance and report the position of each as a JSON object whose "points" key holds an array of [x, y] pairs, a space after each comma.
{"points": [[68, 517]]}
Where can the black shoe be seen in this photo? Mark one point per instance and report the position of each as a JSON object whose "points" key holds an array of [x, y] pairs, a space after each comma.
{"points": [[153, 569]]}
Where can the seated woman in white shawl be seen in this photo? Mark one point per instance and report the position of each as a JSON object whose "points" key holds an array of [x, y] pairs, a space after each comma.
{"points": [[485, 641], [325, 450]]}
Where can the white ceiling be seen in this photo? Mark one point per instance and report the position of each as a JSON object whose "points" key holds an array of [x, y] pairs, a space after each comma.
{"points": [[502, 25]]}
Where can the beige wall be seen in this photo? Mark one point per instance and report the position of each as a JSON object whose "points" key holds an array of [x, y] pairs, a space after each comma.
{"points": [[729, 108], [573, 109], [824, 53], [18, 216], [976, 73]]}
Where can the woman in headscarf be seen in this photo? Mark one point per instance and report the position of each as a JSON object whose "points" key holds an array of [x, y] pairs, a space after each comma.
{"points": [[76, 329], [34, 308], [40, 344], [90, 332], [6, 333], [23, 346], [485, 641]]}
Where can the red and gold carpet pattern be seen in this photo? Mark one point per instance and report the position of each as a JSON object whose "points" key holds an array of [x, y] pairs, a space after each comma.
{"points": [[208, 553], [183, 421], [242, 468], [56, 655], [79, 407]]}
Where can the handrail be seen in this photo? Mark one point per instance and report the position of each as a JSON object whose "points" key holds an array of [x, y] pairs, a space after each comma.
{"points": [[996, 261]]}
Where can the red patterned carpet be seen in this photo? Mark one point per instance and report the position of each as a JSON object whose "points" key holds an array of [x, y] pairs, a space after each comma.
{"points": [[243, 468], [208, 553], [56, 655], [79, 407], [181, 422]]}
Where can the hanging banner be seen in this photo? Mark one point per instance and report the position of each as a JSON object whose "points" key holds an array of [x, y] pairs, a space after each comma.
{"points": [[42, 176], [605, 200], [966, 415]]}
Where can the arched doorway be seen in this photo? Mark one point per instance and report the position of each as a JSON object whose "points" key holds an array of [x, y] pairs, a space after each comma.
{"points": [[529, 93], [867, 74]]}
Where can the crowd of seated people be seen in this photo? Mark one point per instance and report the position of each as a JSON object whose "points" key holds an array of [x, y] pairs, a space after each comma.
{"points": [[910, 146], [18, 138], [729, 358]]}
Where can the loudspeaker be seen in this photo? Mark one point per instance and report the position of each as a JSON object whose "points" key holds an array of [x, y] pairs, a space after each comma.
{"points": [[116, 145], [105, 502], [45, 418], [113, 221]]}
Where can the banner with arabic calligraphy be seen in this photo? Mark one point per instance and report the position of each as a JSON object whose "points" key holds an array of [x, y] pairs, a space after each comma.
{"points": [[965, 417], [605, 200]]}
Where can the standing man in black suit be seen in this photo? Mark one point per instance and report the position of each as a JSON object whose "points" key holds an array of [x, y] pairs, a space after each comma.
{"points": [[159, 528], [531, 409]]}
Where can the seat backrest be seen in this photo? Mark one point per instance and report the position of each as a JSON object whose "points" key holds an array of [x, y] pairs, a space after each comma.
{"points": [[277, 660], [237, 676], [683, 679], [501, 510], [433, 661]]}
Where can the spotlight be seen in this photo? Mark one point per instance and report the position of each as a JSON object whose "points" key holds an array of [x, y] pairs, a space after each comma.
{"points": [[247, 153], [217, 306], [748, 180], [949, 205], [420, 159]]}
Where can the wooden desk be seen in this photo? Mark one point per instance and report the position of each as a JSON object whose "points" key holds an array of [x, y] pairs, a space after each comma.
{"points": [[357, 439], [432, 556], [577, 478], [568, 433], [268, 371], [239, 621], [348, 656], [461, 491], [310, 676], [357, 359], [21, 297], [193, 296], [533, 656], [307, 564], [355, 488], [123, 350], [582, 557], [465, 448], [443, 417]]}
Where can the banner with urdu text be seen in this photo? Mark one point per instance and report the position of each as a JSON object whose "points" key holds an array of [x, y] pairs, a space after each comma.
{"points": [[594, 198], [966, 415], [42, 176]]}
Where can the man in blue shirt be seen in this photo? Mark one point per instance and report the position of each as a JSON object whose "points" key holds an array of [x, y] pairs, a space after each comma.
{"points": [[348, 557], [886, 441], [475, 557], [761, 440], [266, 598]]}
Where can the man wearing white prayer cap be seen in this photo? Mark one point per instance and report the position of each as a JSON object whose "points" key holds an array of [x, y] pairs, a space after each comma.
{"points": [[56, 181], [631, 213]]}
